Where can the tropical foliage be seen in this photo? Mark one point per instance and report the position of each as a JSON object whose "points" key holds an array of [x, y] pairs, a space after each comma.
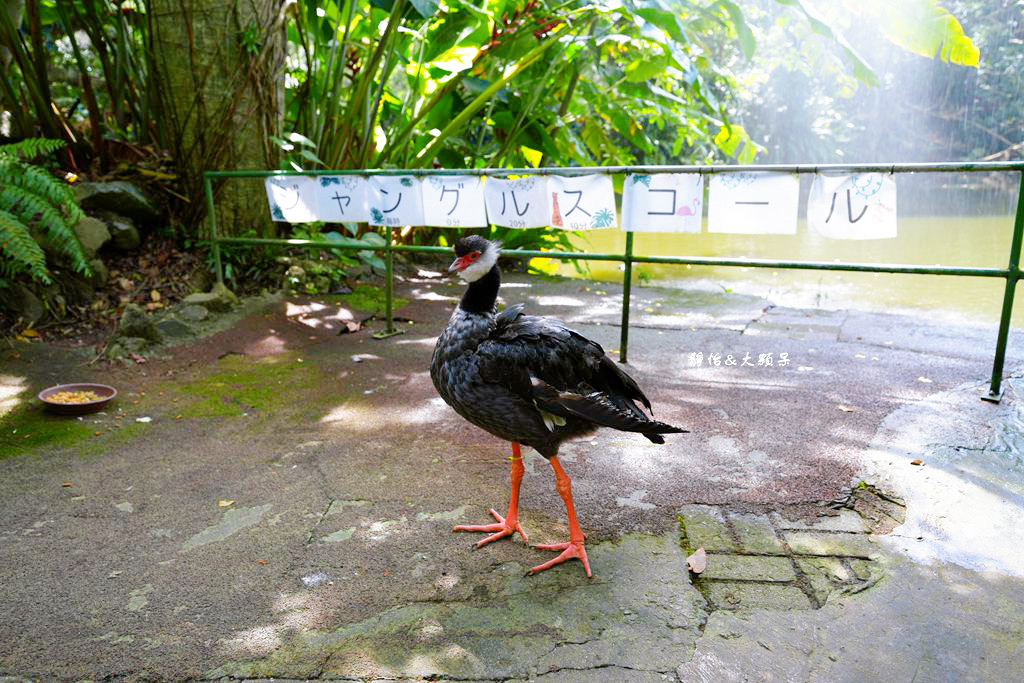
{"points": [[37, 213]]}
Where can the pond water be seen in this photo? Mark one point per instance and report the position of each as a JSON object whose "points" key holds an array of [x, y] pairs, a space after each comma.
{"points": [[949, 241]]}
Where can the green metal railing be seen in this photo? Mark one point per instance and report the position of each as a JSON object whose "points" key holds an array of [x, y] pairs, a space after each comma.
{"points": [[1011, 274]]}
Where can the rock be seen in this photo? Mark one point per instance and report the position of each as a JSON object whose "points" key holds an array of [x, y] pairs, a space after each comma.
{"points": [[123, 233], [92, 233], [201, 279], [193, 313], [100, 274], [23, 302], [220, 299], [172, 327], [135, 322], [120, 197], [221, 290]]}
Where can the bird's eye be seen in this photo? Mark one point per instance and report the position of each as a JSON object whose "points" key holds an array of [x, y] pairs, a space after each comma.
{"points": [[473, 256]]}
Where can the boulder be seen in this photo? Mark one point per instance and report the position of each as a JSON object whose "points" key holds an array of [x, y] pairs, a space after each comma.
{"points": [[92, 233], [120, 197], [100, 274], [174, 328], [23, 303], [135, 322], [193, 313], [220, 299], [123, 233]]}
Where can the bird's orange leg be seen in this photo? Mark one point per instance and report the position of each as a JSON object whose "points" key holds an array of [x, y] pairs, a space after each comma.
{"points": [[509, 525], [574, 548]]}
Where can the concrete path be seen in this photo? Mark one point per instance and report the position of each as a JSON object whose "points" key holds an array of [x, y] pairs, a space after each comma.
{"points": [[276, 501]]}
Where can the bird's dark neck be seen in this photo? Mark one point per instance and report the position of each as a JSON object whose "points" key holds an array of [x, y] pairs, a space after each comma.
{"points": [[481, 294]]}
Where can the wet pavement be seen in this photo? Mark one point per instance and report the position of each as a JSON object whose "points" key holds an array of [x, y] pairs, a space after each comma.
{"points": [[285, 510]]}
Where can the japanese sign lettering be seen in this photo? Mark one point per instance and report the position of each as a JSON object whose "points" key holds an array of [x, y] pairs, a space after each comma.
{"points": [[756, 203], [518, 203], [582, 202], [292, 199], [454, 201], [394, 201], [663, 202], [342, 199], [853, 207]]}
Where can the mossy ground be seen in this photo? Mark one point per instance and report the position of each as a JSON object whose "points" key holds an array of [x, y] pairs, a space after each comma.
{"points": [[237, 385], [371, 299]]}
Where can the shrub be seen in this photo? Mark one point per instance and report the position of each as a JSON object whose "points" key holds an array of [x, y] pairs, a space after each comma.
{"points": [[37, 213]]}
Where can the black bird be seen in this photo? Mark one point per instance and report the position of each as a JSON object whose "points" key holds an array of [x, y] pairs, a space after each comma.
{"points": [[529, 380]]}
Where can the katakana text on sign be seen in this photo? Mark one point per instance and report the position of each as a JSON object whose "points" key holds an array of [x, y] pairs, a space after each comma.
{"points": [[454, 201], [853, 207], [663, 202], [757, 203]]}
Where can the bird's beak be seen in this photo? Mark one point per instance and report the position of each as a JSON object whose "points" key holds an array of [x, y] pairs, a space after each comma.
{"points": [[457, 265]]}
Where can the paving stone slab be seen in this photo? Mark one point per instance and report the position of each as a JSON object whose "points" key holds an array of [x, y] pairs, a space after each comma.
{"points": [[756, 533], [750, 567], [730, 595], [705, 526], [846, 520], [841, 544]]}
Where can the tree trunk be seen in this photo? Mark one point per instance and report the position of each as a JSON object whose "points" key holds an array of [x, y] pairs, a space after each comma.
{"points": [[216, 75]]}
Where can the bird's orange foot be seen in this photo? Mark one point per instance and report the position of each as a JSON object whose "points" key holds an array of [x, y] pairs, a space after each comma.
{"points": [[504, 527], [570, 550]]}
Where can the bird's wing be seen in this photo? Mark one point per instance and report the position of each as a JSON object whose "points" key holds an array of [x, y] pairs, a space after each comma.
{"points": [[532, 355]]}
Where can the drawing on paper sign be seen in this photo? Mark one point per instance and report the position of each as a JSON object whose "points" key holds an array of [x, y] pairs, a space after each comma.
{"points": [[664, 202], [858, 207], [582, 202], [291, 199]]}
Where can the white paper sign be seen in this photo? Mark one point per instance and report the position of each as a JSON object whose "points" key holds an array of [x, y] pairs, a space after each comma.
{"points": [[454, 201], [342, 199], [292, 198], [519, 203], [853, 207], [582, 202], [394, 200], [753, 203], [663, 202]]}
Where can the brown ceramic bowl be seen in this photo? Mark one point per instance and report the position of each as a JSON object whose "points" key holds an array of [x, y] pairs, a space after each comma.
{"points": [[106, 395]]}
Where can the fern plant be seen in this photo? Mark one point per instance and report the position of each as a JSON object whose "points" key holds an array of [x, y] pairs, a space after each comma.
{"points": [[32, 198]]}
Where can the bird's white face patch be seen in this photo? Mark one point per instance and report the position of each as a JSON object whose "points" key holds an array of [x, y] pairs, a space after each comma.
{"points": [[477, 269]]}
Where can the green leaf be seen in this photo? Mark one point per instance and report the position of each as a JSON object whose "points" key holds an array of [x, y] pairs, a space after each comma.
{"points": [[645, 68], [746, 37], [426, 8], [927, 29]]}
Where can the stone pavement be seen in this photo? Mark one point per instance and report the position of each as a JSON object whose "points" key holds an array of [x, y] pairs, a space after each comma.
{"points": [[275, 502]]}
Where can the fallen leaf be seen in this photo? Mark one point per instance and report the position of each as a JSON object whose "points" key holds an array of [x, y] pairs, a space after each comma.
{"points": [[67, 484], [262, 562], [154, 295], [698, 561], [29, 332], [125, 283], [846, 409], [924, 379], [225, 503], [916, 462]]}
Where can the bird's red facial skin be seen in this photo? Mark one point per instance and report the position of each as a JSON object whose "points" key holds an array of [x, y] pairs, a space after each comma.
{"points": [[464, 262]]}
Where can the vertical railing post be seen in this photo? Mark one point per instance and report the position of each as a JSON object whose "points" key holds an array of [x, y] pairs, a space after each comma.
{"points": [[389, 288], [214, 241], [627, 285], [1013, 274]]}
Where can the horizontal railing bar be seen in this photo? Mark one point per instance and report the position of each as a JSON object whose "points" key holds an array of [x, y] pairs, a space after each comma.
{"points": [[898, 268], [908, 167]]}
